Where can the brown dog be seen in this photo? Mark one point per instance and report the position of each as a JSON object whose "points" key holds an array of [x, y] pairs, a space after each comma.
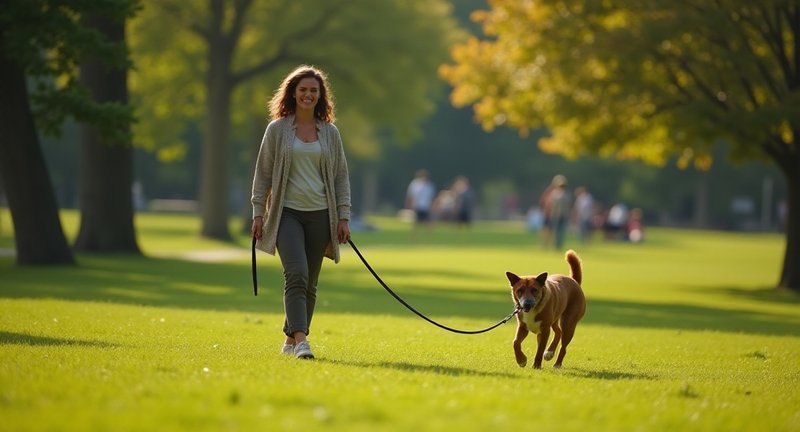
{"points": [[555, 302]]}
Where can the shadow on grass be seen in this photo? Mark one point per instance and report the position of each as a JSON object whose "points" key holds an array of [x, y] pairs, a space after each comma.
{"points": [[765, 295], [607, 375], [227, 286], [688, 317], [8, 338], [414, 368]]}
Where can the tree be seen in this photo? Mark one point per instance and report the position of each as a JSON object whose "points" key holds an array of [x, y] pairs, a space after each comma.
{"points": [[106, 168], [381, 55], [41, 44], [645, 79]]}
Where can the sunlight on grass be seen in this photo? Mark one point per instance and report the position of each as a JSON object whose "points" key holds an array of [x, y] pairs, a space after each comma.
{"points": [[681, 333]]}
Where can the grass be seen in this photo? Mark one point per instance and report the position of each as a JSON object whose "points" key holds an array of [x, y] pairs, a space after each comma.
{"points": [[682, 333]]}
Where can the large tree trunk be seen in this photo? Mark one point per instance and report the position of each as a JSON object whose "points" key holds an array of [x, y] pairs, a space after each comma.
{"points": [[790, 275], [39, 236], [215, 164], [106, 168]]}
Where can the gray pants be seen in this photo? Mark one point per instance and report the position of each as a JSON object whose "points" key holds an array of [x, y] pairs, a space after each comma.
{"points": [[302, 237]]}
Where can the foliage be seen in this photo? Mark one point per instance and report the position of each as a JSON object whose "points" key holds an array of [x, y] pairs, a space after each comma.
{"points": [[673, 339], [46, 38], [637, 79], [381, 58]]}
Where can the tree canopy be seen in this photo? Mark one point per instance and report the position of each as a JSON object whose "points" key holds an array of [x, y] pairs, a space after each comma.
{"points": [[647, 79], [48, 41]]}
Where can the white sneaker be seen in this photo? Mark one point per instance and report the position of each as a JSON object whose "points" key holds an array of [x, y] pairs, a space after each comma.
{"points": [[287, 349], [303, 350]]}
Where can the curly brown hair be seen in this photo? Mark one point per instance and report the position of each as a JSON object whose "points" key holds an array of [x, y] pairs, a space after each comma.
{"points": [[283, 104]]}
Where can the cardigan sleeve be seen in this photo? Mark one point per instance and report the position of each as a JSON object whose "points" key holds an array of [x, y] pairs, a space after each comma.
{"points": [[265, 163], [341, 178]]}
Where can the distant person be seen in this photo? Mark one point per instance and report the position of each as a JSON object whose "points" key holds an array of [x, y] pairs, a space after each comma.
{"points": [[634, 228], [614, 226], [419, 197], [444, 206], [583, 212], [546, 231], [556, 207], [301, 195], [535, 219], [464, 201]]}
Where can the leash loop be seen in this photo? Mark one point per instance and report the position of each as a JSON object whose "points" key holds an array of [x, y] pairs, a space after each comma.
{"points": [[411, 308]]}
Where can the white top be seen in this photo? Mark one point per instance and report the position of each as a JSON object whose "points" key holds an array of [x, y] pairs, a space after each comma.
{"points": [[421, 192], [305, 189]]}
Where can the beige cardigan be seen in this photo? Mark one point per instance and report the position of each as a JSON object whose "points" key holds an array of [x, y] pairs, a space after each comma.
{"points": [[272, 174]]}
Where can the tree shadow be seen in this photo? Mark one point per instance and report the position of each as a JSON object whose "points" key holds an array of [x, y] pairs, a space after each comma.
{"points": [[763, 294], [607, 375], [166, 282], [9, 338], [418, 368], [687, 317]]}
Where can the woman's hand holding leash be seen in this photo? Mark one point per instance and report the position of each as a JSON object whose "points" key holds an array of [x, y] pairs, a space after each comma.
{"points": [[343, 231], [258, 225]]}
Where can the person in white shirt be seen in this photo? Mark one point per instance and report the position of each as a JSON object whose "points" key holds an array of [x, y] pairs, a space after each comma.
{"points": [[419, 197]]}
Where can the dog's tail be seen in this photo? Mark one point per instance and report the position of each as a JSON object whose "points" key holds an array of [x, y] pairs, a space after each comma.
{"points": [[576, 272]]}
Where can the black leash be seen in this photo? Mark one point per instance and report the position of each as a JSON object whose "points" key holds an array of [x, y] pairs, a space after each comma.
{"points": [[255, 275], [389, 290]]}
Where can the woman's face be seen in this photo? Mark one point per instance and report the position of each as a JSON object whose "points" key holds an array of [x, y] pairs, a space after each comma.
{"points": [[306, 95]]}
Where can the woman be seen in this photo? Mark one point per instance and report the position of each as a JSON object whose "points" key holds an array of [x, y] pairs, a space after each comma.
{"points": [[301, 195]]}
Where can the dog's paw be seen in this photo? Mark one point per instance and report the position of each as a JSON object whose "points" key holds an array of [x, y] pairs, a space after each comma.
{"points": [[548, 355]]}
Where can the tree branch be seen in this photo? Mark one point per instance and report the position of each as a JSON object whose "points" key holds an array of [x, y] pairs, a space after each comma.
{"points": [[793, 17], [283, 51], [240, 8], [673, 77], [191, 25], [774, 40], [776, 149], [704, 89], [746, 85], [762, 69]]}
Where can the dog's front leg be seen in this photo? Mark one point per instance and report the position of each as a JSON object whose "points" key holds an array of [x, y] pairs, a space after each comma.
{"points": [[522, 333], [542, 337]]}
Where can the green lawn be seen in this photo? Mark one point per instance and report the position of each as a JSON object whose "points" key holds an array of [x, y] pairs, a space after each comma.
{"points": [[682, 333]]}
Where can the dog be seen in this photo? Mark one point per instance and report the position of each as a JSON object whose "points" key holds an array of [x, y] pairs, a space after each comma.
{"points": [[545, 302]]}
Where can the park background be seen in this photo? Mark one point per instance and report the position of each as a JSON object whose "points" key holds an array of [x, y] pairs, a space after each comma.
{"points": [[112, 210], [445, 140]]}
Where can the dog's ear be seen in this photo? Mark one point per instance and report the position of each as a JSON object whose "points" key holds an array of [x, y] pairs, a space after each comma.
{"points": [[512, 278], [542, 278]]}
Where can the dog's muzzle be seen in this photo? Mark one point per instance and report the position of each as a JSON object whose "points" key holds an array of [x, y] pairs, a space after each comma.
{"points": [[527, 305]]}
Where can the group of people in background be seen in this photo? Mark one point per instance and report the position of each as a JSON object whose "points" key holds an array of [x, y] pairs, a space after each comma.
{"points": [[559, 208], [453, 204]]}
